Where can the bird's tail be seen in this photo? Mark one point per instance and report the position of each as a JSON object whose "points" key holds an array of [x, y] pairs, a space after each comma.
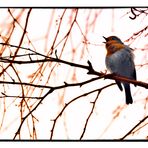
{"points": [[128, 95]]}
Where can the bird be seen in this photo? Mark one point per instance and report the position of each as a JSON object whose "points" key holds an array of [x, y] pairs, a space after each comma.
{"points": [[120, 60]]}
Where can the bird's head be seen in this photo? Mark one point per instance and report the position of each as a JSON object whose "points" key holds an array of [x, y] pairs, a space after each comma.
{"points": [[113, 39]]}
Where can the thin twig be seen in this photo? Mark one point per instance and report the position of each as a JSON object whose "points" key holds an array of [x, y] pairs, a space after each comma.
{"points": [[134, 128]]}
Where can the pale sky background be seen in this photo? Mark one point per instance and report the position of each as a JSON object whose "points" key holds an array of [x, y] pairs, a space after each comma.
{"points": [[103, 124]]}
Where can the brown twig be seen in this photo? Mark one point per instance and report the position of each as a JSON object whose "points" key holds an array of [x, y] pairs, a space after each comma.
{"points": [[134, 128], [88, 67], [137, 12], [93, 103], [67, 104]]}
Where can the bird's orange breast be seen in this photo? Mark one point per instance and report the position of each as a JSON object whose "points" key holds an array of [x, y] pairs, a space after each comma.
{"points": [[113, 46]]}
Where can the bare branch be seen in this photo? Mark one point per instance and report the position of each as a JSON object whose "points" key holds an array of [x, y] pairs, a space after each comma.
{"points": [[140, 122], [67, 104]]}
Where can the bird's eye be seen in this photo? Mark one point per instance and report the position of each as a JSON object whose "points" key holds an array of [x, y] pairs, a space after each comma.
{"points": [[114, 38]]}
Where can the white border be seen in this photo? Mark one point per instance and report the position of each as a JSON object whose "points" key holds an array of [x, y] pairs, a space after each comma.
{"points": [[72, 3]]}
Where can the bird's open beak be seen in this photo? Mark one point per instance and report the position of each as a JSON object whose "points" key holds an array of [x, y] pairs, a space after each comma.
{"points": [[105, 39]]}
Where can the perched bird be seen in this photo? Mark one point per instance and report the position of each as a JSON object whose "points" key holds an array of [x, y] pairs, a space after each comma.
{"points": [[120, 60]]}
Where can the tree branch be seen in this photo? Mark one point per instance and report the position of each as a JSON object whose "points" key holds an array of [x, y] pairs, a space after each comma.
{"points": [[134, 128], [88, 67], [67, 104]]}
